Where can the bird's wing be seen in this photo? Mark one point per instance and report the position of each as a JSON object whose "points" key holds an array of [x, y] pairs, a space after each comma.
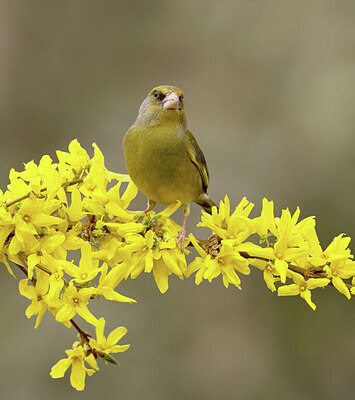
{"points": [[198, 159]]}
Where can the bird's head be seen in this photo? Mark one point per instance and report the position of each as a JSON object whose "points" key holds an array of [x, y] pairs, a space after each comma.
{"points": [[163, 103]]}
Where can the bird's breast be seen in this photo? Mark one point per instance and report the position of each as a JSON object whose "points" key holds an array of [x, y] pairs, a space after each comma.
{"points": [[159, 164]]}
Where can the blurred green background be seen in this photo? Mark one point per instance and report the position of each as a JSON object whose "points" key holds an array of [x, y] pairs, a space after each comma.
{"points": [[269, 92]]}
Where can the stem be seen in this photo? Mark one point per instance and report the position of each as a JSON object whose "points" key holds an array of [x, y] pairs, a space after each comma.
{"points": [[84, 335]]}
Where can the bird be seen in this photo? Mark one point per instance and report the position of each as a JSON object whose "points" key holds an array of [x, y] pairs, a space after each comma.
{"points": [[162, 156]]}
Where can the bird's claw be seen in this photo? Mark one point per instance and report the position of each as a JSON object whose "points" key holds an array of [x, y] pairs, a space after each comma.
{"points": [[181, 238]]}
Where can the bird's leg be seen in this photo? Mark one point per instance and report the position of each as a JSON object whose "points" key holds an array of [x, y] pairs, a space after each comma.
{"points": [[151, 204], [182, 234]]}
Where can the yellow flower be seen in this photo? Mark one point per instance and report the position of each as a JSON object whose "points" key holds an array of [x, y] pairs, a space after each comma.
{"points": [[154, 254], [75, 302], [75, 210], [56, 285], [337, 249], [266, 221], [88, 268], [45, 175], [117, 203], [110, 250], [268, 272], [290, 245], [108, 281], [108, 345], [77, 158], [198, 263], [37, 294], [98, 200], [33, 215], [76, 359], [16, 188], [302, 287], [225, 263], [167, 260], [237, 226], [338, 270], [142, 250]]}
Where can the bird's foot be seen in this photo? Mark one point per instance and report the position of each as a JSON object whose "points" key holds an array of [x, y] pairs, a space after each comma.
{"points": [[181, 238]]}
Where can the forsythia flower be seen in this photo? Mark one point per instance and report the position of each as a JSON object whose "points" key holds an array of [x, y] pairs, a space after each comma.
{"points": [[75, 301], [37, 294], [225, 263], [76, 359], [108, 345], [302, 287], [236, 226]]}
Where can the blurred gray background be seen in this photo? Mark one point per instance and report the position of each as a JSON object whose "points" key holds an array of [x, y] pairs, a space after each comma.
{"points": [[269, 92]]}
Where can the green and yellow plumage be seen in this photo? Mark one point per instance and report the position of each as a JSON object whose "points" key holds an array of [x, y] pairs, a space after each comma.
{"points": [[163, 157]]}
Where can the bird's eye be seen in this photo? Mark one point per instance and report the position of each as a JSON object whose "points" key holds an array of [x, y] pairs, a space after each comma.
{"points": [[158, 95], [181, 98]]}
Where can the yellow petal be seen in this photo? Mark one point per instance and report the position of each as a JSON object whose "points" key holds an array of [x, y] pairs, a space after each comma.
{"points": [[306, 295], [160, 272], [281, 267], [58, 370], [288, 290], [116, 335], [341, 287], [77, 376]]}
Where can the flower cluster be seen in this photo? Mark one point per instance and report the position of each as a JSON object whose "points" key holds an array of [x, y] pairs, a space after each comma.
{"points": [[67, 226]]}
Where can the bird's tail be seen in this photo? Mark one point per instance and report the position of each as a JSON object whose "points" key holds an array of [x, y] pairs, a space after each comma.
{"points": [[206, 203]]}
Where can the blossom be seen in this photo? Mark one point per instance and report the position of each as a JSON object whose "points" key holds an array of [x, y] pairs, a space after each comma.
{"points": [[226, 262], [37, 294], [76, 360], [302, 287], [237, 226], [77, 158], [74, 302], [108, 345], [87, 269], [198, 263], [168, 260], [269, 272], [33, 215], [142, 249], [109, 280]]}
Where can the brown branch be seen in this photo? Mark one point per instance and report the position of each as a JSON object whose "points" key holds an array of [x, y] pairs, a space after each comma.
{"points": [[83, 335]]}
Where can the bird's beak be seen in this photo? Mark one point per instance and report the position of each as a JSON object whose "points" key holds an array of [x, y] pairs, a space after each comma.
{"points": [[171, 101]]}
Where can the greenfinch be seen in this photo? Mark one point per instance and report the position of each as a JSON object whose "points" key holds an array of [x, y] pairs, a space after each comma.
{"points": [[162, 156]]}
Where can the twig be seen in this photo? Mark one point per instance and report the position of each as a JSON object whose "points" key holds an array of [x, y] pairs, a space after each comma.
{"points": [[84, 335]]}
